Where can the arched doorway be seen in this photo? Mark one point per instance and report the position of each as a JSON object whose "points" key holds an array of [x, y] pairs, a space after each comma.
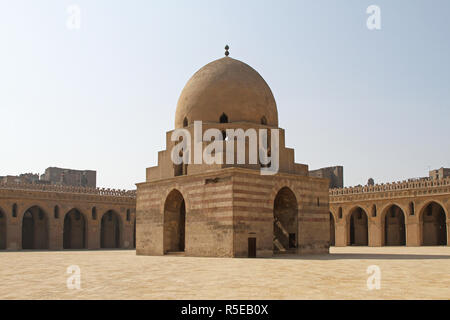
{"points": [[358, 228], [110, 235], [285, 223], [174, 222], [2, 230], [74, 236], [35, 229], [394, 226], [134, 234], [434, 225], [332, 230]]}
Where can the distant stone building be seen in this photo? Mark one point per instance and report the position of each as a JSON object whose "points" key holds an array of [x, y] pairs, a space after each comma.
{"points": [[22, 178], [70, 177], [56, 176], [334, 174], [439, 173]]}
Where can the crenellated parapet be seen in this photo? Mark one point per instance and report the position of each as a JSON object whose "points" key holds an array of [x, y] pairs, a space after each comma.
{"points": [[421, 186], [70, 189]]}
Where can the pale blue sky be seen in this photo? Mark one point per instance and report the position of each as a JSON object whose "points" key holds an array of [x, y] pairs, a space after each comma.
{"points": [[102, 98]]}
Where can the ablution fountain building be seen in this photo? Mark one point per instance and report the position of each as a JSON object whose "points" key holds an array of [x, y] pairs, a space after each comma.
{"points": [[230, 210]]}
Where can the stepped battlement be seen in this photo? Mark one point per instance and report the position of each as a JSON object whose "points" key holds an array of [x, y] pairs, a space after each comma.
{"points": [[69, 189]]}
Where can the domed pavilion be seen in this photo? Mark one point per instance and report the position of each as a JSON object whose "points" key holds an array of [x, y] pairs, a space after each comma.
{"points": [[230, 209]]}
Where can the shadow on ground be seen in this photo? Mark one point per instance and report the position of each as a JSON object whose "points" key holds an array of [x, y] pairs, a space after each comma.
{"points": [[363, 256]]}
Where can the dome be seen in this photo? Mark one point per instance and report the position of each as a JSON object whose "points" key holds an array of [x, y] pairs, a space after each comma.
{"points": [[226, 90]]}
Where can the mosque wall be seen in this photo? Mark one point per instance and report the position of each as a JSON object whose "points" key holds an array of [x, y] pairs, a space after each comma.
{"points": [[411, 213], [35, 215], [208, 215]]}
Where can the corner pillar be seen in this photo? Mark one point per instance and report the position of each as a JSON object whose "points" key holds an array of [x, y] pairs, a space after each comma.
{"points": [[341, 234], [374, 234]]}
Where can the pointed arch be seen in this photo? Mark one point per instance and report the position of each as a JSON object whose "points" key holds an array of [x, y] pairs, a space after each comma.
{"points": [[223, 118], [332, 230], [412, 209], [433, 223], [35, 229], [111, 227], [75, 230], [358, 227], [285, 221], [374, 211], [14, 210], [263, 120], [174, 222], [394, 226]]}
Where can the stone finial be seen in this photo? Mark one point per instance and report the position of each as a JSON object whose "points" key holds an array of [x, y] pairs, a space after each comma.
{"points": [[227, 53]]}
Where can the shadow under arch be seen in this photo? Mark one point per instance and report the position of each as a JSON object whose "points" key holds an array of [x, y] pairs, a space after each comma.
{"points": [[111, 230], [285, 221], [393, 223], [35, 229], [3, 229], [134, 234], [357, 227], [75, 230], [433, 224], [332, 229], [174, 221]]}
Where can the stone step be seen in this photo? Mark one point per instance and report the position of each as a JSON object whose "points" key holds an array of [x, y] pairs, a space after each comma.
{"points": [[175, 253]]}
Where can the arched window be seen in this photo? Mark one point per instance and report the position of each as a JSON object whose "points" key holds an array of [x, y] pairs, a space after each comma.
{"points": [[180, 169], [318, 202], [94, 213], [14, 210], [185, 122], [56, 212], [411, 208], [374, 211], [263, 120], [340, 213], [223, 118], [177, 170], [128, 215]]}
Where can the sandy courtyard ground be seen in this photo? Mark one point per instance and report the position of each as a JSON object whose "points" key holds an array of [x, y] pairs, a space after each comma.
{"points": [[406, 273]]}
